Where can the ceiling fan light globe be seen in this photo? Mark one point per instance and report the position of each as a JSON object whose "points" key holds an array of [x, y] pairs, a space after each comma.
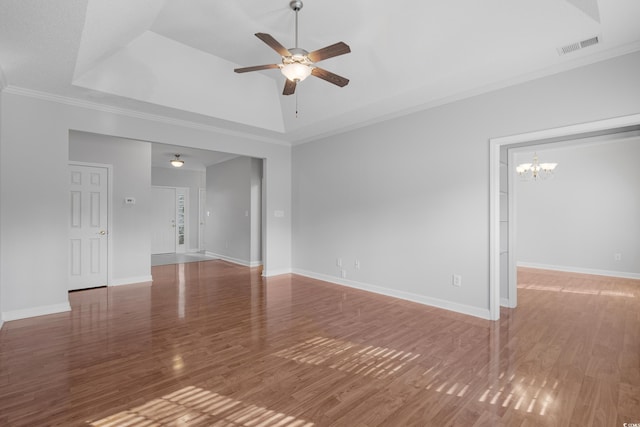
{"points": [[296, 72], [176, 162]]}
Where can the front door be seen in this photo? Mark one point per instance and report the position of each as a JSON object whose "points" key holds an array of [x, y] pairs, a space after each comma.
{"points": [[163, 220], [88, 240]]}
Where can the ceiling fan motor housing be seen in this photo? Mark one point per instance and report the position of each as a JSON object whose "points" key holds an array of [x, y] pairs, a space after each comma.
{"points": [[296, 5], [298, 53]]}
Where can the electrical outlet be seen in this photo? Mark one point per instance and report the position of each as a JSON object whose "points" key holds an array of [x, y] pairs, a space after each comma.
{"points": [[339, 262], [457, 280], [344, 274], [617, 257], [356, 264]]}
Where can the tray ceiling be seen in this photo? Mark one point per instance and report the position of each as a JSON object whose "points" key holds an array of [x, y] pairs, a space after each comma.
{"points": [[176, 59]]}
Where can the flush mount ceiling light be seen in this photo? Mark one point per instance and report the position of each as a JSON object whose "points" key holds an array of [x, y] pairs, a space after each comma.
{"points": [[298, 64], [177, 162], [535, 170]]}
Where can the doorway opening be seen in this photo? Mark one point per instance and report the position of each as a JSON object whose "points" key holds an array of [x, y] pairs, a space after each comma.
{"points": [[499, 244], [129, 250], [223, 205]]}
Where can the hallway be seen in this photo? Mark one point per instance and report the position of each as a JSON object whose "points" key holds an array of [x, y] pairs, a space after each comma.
{"points": [[179, 258]]}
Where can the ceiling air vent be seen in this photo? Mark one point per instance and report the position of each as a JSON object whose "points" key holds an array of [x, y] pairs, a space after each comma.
{"points": [[578, 45]]}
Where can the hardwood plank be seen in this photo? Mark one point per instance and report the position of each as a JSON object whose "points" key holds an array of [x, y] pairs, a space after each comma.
{"points": [[212, 343]]}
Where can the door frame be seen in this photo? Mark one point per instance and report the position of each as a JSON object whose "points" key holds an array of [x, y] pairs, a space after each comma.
{"points": [[582, 130], [109, 169], [202, 217]]}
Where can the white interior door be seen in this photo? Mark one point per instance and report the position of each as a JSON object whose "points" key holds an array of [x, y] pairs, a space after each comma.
{"points": [[163, 220], [88, 239]]}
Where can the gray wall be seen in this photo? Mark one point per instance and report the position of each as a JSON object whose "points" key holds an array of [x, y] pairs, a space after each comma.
{"points": [[130, 233], [34, 202], [194, 181], [34, 209], [2, 86], [589, 210], [232, 209], [409, 198]]}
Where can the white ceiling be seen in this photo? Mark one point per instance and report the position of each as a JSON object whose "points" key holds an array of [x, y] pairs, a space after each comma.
{"points": [[175, 58]]}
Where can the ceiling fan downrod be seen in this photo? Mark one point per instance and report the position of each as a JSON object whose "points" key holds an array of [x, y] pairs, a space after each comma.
{"points": [[296, 5]]}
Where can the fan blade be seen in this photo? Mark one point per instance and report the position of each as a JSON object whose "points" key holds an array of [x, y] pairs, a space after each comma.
{"points": [[256, 68], [273, 44], [330, 77], [289, 87], [337, 49]]}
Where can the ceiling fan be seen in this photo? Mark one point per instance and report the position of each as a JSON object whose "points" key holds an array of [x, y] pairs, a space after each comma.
{"points": [[297, 64]]}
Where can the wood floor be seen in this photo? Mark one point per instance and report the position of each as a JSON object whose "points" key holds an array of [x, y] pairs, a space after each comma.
{"points": [[214, 344]]}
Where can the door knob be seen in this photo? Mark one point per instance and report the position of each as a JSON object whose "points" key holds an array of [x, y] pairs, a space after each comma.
{"points": [[102, 232]]}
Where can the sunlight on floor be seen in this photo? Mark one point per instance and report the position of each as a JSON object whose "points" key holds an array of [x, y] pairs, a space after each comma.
{"points": [[517, 392], [446, 386], [377, 362], [524, 395], [577, 291], [192, 405]]}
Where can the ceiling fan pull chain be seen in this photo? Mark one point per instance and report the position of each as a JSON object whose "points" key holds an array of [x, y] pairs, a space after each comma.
{"points": [[297, 104]]}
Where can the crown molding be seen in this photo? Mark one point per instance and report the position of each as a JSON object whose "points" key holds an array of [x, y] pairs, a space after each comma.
{"points": [[75, 102], [305, 135], [425, 103]]}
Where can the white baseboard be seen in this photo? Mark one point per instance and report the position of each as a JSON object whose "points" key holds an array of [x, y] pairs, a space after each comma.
{"points": [[1, 323], [35, 311], [276, 272], [409, 296], [621, 274], [191, 251], [235, 260], [131, 280]]}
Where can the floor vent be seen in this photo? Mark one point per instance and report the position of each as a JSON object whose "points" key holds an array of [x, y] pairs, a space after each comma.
{"points": [[578, 45]]}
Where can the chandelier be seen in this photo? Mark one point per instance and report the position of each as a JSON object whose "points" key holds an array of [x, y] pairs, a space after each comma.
{"points": [[535, 170]]}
